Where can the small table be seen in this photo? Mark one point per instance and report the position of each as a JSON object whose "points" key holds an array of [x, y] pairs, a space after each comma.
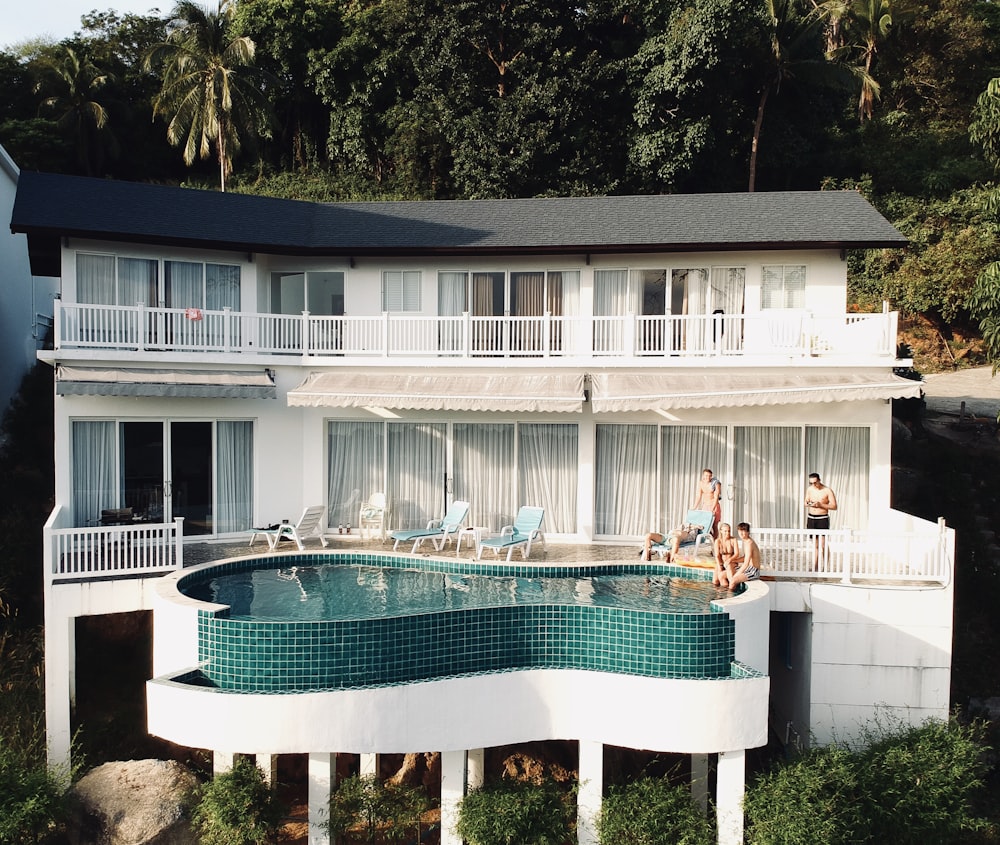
{"points": [[475, 533]]}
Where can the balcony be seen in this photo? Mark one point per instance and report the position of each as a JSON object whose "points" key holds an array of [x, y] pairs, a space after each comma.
{"points": [[762, 338]]}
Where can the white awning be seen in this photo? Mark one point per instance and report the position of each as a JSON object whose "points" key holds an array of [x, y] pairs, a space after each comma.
{"points": [[120, 381], [664, 391], [441, 392]]}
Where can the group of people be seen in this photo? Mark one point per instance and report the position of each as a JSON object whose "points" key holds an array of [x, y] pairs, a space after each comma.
{"points": [[737, 559]]}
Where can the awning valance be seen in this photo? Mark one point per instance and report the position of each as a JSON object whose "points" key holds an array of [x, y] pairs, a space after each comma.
{"points": [[121, 381], [441, 392], [663, 392]]}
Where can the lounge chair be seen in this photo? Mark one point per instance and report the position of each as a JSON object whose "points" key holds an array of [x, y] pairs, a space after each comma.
{"points": [[438, 531], [310, 524], [703, 520], [526, 529], [372, 516]]}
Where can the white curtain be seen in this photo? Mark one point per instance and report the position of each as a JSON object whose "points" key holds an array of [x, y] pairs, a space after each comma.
{"points": [[484, 473], [548, 465], [222, 287], [611, 299], [234, 485], [95, 279], [768, 476], [686, 450], [841, 457], [94, 465], [183, 284], [625, 479], [452, 302], [355, 469], [137, 281], [416, 452]]}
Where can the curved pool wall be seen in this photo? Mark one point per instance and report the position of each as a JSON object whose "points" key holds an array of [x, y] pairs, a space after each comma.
{"points": [[250, 656]]}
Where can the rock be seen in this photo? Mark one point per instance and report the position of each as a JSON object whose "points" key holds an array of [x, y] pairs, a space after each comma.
{"points": [[138, 802]]}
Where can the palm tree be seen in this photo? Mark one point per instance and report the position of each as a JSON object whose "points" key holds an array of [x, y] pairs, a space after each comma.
{"points": [[211, 93], [75, 82]]}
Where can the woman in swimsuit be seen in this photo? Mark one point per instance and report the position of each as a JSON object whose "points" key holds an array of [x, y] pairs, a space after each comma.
{"points": [[725, 548]]}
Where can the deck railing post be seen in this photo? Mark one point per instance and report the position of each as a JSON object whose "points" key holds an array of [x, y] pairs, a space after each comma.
{"points": [[385, 334], [226, 328], [467, 334], [179, 542]]}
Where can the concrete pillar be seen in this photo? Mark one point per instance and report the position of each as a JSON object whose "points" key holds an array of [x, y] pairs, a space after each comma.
{"points": [[452, 792], [729, 791], [369, 765], [268, 764], [699, 781], [222, 761], [322, 781], [475, 764], [60, 639], [588, 799]]}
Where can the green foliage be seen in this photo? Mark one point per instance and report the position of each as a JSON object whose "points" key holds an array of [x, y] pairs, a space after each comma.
{"points": [[238, 808], [364, 807], [512, 812], [984, 305], [907, 785], [33, 797], [652, 812]]}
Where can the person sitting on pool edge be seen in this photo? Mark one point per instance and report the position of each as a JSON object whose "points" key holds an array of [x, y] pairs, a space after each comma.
{"points": [[684, 534], [724, 548], [745, 564]]}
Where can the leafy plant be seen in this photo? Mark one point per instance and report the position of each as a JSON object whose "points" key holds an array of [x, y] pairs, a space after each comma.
{"points": [[651, 811], [366, 807], [511, 812], [238, 808], [33, 797]]}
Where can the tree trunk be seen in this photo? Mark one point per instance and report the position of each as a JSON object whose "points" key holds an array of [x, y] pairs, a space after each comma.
{"points": [[756, 137]]}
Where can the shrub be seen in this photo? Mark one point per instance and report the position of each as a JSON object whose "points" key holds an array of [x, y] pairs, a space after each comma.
{"points": [[363, 807], [237, 808], [33, 797], [652, 812], [511, 812]]}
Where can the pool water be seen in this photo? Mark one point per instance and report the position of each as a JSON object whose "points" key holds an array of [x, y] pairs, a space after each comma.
{"points": [[336, 592]]}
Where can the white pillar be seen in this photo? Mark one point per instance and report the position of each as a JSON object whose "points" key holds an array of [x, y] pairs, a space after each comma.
{"points": [[729, 790], [222, 761], [268, 764], [60, 635], [699, 781], [475, 763], [588, 799], [452, 792], [369, 765], [322, 780]]}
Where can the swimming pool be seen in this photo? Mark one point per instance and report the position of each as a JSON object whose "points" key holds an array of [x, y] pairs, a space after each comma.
{"points": [[344, 621]]}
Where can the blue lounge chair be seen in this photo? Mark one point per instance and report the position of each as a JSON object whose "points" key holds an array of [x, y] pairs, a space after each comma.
{"points": [[438, 531], [527, 528], [702, 520]]}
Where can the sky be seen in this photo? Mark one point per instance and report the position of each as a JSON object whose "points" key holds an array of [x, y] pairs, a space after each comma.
{"points": [[58, 19]]}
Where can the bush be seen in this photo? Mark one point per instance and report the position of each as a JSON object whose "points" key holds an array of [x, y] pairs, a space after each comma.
{"points": [[237, 808], [363, 807], [510, 812], [652, 812], [33, 797]]}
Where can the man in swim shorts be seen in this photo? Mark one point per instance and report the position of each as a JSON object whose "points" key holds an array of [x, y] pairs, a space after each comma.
{"points": [[820, 500], [745, 564]]}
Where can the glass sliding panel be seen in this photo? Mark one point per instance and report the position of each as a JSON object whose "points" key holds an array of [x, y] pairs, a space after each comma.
{"points": [[726, 298], [288, 293], [355, 469], [527, 301], [95, 279], [841, 457], [689, 297], [222, 287], [137, 281], [183, 287], [686, 450], [484, 473], [416, 453], [452, 303], [625, 480], [652, 285], [548, 467], [142, 468], [94, 462], [234, 485], [611, 299], [487, 310], [191, 476], [563, 300], [325, 294], [769, 477]]}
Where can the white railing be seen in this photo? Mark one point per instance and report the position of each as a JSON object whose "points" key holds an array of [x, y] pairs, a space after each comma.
{"points": [[789, 334], [921, 552], [112, 551]]}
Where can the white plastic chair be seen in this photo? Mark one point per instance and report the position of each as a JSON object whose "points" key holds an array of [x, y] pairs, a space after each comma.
{"points": [[310, 524], [372, 516]]}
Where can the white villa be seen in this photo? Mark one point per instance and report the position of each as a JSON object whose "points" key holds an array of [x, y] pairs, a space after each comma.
{"points": [[225, 361]]}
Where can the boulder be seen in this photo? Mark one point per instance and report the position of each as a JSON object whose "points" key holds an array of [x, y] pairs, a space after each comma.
{"points": [[138, 802]]}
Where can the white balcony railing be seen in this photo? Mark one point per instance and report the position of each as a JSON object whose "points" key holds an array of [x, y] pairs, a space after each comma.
{"points": [[789, 334]]}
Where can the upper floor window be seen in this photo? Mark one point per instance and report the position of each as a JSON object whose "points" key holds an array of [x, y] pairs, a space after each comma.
{"points": [[320, 292], [111, 280], [783, 286], [193, 284], [401, 290]]}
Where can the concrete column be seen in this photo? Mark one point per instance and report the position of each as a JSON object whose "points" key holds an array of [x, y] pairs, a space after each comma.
{"points": [[268, 764], [729, 791], [699, 781], [452, 792], [588, 799], [60, 638], [222, 761], [369, 765], [322, 781], [475, 763]]}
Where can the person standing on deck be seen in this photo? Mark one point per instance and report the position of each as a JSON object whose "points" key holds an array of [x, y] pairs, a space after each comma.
{"points": [[708, 498], [820, 500]]}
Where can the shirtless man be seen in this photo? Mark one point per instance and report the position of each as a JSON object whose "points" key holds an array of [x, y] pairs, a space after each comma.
{"points": [[707, 498], [725, 547], [745, 564], [820, 500]]}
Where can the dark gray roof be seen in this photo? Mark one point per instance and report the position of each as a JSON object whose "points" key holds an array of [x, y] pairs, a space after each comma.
{"points": [[50, 206]]}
